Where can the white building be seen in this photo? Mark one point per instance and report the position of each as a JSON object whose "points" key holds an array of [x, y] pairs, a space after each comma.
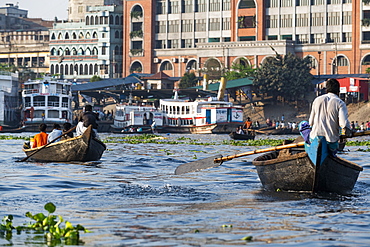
{"points": [[9, 106]]}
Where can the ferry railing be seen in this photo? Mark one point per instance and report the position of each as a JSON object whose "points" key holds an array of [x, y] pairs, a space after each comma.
{"points": [[39, 103], [30, 91], [53, 104], [64, 104]]}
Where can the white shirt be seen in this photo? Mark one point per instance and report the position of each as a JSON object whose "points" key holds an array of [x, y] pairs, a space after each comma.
{"points": [[329, 113], [54, 134]]}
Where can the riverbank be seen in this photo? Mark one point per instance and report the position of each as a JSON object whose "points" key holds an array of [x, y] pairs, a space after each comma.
{"points": [[357, 112]]}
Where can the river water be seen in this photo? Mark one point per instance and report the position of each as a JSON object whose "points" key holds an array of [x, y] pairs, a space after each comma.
{"points": [[132, 198]]}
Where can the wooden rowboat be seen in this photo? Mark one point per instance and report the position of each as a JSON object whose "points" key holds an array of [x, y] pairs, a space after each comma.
{"points": [[80, 148], [236, 136], [313, 170]]}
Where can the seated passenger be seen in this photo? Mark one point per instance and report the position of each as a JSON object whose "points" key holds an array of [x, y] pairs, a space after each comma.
{"points": [[67, 126], [41, 138], [57, 132]]}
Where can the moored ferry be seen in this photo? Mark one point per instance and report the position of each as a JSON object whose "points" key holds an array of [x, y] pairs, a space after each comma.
{"points": [[203, 116], [46, 101]]}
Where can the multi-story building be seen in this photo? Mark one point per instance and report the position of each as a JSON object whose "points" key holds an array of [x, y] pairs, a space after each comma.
{"points": [[90, 42], [9, 100], [175, 36], [24, 42]]}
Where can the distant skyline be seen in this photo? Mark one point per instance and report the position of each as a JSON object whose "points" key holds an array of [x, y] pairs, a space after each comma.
{"points": [[45, 9]]}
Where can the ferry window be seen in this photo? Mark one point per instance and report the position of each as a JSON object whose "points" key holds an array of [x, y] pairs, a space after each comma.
{"points": [[178, 109], [183, 110], [39, 101], [187, 110], [53, 101], [27, 101], [191, 122], [53, 114], [64, 102]]}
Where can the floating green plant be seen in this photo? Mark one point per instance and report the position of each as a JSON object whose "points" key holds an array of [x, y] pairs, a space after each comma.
{"points": [[51, 225]]}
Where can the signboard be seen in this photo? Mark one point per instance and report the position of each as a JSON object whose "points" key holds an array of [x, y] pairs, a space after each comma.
{"points": [[237, 115], [353, 88], [351, 81], [221, 115], [343, 90]]}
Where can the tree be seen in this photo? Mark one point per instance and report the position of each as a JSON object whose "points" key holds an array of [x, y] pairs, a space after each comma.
{"points": [[95, 78], [188, 80], [286, 76], [238, 71]]}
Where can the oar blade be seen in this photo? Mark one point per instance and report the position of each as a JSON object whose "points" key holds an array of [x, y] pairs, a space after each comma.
{"points": [[198, 165]]}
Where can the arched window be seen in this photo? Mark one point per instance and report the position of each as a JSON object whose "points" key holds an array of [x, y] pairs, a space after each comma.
{"points": [[60, 52], [116, 35], [86, 69], [66, 36], [71, 69], [60, 36], [117, 20], [61, 68], [88, 36], [247, 4], [67, 52], [342, 61], [74, 36], [87, 20], [74, 51], [53, 52], [95, 35], [116, 50], [52, 69], [111, 19], [88, 52], [136, 66], [166, 65], [81, 69], [81, 52], [81, 35], [96, 20], [96, 69], [91, 72], [53, 36], [66, 70], [92, 20], [56, 69], [95, 51]]}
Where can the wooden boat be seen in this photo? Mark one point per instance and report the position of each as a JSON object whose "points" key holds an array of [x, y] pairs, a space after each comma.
{"points": [[236, 136], [279, 131], [313, 170], [80, 148]]}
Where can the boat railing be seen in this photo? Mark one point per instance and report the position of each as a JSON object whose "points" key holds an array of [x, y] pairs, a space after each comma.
{"points": [[39, 103], [53, 104], [64, 104], [30, 91]]}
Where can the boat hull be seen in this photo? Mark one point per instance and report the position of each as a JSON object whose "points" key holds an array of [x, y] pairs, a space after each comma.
{"points": [[236, 136], [204, 129], [80, 148], [296, 172]]}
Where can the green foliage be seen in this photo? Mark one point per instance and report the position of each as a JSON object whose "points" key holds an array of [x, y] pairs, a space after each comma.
{"points": [[367, 70], [4, 137], [50, 225], [238, 71], [138, 33], [188, 80], [95, 78], [136, 14], [286, 76], [8, 67]]}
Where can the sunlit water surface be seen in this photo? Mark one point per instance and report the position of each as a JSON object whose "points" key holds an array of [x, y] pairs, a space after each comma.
{"points": [[132, 198]]}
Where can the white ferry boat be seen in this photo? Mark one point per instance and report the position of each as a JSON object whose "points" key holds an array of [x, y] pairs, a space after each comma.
{"points": [[46, 101], [204, 116], [200, 117], [132, 115]]}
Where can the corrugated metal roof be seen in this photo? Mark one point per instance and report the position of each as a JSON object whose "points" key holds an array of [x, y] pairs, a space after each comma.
{"points": [[99, 84], [230, 84]]}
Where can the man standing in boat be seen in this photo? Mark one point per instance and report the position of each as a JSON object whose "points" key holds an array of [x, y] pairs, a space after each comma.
{"points": [[329, 116], [87, 118]]}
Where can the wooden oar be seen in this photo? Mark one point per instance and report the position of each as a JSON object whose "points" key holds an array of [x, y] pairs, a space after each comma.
{"points": [[362, 133], [38, 150], [218, 159]]}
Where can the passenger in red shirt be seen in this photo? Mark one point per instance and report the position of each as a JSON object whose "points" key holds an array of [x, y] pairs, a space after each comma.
{"points": [[41, 138]]}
